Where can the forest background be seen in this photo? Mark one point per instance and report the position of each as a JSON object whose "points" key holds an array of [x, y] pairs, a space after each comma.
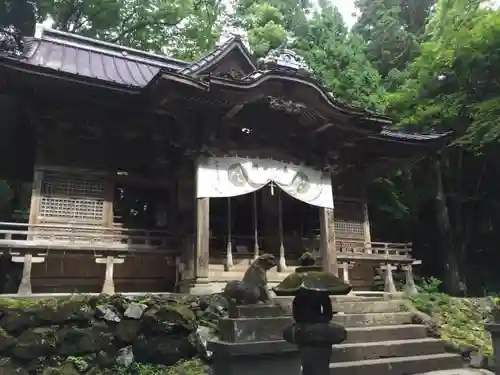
{"points": [[433, 65]]}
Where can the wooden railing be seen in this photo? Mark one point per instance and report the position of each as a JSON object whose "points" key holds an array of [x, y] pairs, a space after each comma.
{"points": [[84, 237], [347, 249], [351, 249]]}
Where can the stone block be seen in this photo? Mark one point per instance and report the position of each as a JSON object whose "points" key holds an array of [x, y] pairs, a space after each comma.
{"points": [[253, 329], [256, 311], [271, 357]]}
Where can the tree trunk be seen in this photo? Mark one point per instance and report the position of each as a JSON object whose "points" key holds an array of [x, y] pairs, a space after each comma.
{"points": [[452, 278]]}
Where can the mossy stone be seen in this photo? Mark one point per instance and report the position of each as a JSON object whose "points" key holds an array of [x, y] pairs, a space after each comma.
{"points": [[127, 330], [312, 279], [6, 340], [34, 343]]}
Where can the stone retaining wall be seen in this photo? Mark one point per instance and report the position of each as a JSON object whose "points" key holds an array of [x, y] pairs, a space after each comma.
{"points": [[83, 334]]}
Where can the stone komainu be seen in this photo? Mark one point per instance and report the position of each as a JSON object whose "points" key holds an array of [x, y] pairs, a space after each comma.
{"points": [[252, 288]]}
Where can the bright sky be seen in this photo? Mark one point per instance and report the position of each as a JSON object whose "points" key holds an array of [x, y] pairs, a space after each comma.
{"points": [[347, 8]]}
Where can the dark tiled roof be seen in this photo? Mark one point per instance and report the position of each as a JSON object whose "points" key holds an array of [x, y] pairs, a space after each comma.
{"points": [[89, 58]]}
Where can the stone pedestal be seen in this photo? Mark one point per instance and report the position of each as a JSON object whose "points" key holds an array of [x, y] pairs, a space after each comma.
{"points": [[316, 359], [252, 343]]}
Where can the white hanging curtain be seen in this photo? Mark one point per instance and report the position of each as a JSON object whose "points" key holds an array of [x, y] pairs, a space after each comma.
{"points": [[219, 177]]}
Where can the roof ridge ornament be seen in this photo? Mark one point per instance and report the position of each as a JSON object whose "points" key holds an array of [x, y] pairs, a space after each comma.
{"points": [[286, 59], [11, 41]]}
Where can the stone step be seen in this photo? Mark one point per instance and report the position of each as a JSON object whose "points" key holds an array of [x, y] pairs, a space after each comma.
{"points": [[356, 306], [398, 365], [242, 266], [372, 319], [364, 307], [339, 299], [385, 333], [386, 349], [232, 275]]}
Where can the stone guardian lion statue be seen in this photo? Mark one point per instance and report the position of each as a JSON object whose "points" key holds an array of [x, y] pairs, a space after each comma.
{"points": [[252, 289]]}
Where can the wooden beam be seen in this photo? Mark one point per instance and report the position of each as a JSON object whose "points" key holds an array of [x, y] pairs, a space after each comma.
{"points": [[233, 111], [322, 128]]}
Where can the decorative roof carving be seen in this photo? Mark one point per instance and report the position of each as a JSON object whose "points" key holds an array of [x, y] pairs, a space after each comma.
{"points": [[287, 106], [11, 40], [283, 58]]}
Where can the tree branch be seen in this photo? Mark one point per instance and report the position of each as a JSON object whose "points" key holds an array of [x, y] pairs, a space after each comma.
{"points": [[141, 25]]}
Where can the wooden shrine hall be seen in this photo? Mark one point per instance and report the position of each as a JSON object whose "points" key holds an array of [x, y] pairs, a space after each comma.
{"points": [[150, 174]]}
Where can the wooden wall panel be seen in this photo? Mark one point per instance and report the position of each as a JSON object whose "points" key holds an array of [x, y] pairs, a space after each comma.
{"points": [[361, 276], [72, 273]]}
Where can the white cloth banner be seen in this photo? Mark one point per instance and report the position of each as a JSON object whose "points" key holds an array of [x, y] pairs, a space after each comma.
{"points": [[233, 176]]}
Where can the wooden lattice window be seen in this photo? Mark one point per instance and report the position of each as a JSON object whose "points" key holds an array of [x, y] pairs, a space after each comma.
{"points": [[71, 196], [349, 219]]}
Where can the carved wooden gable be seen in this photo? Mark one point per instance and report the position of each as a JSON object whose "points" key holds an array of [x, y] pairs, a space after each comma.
{"points": [[231, 60], [234, 65]]}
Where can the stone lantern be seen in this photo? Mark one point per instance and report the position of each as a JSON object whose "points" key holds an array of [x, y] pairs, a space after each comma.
{"points": [[312, 331], [494, 328]]}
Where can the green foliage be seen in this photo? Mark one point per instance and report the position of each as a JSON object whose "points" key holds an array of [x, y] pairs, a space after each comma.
{"points": [[393, 29], [461, 319], [430, 285], [191, 367], [186, 28], [338, 60]]}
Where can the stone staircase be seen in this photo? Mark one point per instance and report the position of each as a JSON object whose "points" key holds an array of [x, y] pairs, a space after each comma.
{"points": [[382, 341]]}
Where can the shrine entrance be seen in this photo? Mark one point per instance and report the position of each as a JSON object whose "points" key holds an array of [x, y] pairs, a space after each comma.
{"points": [[260, 222], [261, 205]]}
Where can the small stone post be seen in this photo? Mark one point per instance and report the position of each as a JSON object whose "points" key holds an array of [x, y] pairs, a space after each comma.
{"points": [[109, 283], [389, 286], [410, 287], [28, 260]]}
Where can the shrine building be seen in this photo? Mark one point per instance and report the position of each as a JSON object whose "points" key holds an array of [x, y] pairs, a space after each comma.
{"points": [[151, 174]]}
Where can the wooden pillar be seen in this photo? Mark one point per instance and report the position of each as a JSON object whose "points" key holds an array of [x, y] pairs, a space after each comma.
{"points": [[35, 195], [282, 260], [328, 249], [27, 260], [109, 195], [368, 236], [202, 237], [108, 286], [255, 226], [229, 246]]}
